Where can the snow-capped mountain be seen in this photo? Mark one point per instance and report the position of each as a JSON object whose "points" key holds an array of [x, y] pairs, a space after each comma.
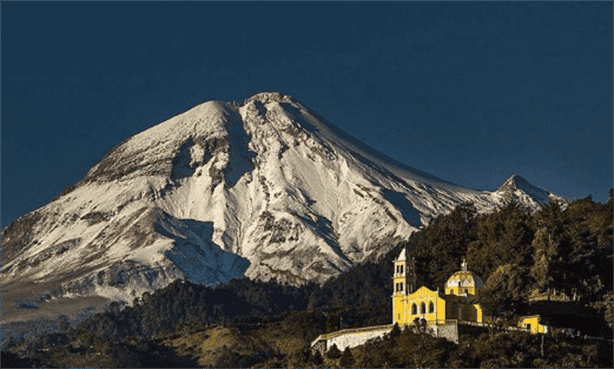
{"points": [[266, 189], [516, 188]]}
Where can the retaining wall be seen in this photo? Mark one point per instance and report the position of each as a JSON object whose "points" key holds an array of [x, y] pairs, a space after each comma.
{"points": [[349, 337]]}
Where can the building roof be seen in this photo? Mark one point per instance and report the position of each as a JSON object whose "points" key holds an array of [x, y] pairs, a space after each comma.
{"points": [[464, 278]]}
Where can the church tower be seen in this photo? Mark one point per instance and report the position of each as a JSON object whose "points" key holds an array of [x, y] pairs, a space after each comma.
{"points": [[404, 283]]}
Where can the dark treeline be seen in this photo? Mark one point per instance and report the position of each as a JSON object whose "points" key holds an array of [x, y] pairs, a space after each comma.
{"points": [[416, 349], [514, 252], [126, 336]]}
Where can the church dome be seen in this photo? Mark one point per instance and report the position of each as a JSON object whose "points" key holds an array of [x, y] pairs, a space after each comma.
{"points": [[464, 278]]}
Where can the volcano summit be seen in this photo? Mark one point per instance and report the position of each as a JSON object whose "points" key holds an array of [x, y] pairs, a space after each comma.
{"points": [[266, 189]]}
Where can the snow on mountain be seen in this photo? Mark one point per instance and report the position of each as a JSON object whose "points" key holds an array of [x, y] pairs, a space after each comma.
{"points": [[266, 189], [516, 188]]}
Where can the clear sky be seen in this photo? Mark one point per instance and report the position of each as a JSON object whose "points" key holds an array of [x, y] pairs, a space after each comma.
{"points": [[470, 92]]}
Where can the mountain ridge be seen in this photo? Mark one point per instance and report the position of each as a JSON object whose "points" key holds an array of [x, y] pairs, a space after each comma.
{"points": [[267, 189]]}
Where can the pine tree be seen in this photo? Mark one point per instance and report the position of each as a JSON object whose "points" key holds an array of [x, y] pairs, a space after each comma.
{"points": [[502, 237], [347, 359], [504, 296], [316, 358], [548, 248], [333, 352]]}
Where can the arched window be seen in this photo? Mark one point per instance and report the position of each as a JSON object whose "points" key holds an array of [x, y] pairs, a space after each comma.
{"points": [[422, 308], [431, 307], [401, 286], [414, 309], [401, 269], [466, 291]]}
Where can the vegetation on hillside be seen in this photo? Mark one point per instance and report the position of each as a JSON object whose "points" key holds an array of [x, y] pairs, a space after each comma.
{"points": [[568, 250], [503, 350]]}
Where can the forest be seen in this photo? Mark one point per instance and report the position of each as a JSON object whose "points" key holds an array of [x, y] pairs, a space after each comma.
{"points": [[560, 248]]}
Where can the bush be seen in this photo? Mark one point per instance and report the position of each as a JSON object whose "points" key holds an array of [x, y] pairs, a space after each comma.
{"points": [[347, 359], [333, 352]]}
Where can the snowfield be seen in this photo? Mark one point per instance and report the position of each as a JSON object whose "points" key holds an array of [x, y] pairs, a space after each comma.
{"points": [[266, 189]]}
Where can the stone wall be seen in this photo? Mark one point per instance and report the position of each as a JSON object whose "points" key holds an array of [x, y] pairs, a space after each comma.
{"points": [[353, 339], [448, 331], [359, 336], [349, 337]]}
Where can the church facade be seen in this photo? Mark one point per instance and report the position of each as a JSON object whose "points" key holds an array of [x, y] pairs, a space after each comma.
{"points": [[457, 300]]}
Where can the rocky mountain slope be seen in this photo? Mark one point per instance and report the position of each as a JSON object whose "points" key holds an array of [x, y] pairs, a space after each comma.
{"points": [[266, 189]]}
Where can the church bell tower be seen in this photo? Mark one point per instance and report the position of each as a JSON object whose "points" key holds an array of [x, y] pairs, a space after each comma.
{"points": [[404, 283]]}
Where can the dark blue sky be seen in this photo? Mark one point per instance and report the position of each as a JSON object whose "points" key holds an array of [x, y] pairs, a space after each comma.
{"points": [[468, 91]]}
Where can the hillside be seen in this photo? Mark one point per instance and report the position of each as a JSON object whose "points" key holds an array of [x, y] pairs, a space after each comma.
{"points": [[270, 325]]}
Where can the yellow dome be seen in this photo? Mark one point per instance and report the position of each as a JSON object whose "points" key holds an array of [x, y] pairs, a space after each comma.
{"points": [[464, 278]]}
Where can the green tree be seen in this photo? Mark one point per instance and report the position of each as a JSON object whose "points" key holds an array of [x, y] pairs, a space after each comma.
{"points": [[440, 247], [347, 359], [502, 237], [582, 249], [548, 248], [571, 249], [333, 352], [504, 295]]}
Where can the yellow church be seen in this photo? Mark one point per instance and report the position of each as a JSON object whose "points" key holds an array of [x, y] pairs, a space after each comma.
{"points": [[455, 302], [441, 310]]}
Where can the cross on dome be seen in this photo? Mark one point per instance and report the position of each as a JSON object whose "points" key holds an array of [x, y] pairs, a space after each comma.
{"points": [[464, 265]]}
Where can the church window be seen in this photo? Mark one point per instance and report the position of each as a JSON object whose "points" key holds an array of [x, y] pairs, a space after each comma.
{"points": [[414, 309], [431, 307], [466, 290], [401, 269], [422, 308], [401, 286]]}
